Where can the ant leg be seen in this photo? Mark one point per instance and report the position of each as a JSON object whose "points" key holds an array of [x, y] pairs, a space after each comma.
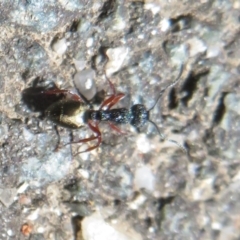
{"points": [[166, 139], [112, 100], [116, 100], [57, 147], [114, 97], [66, 93], [111, 85], [115, 128], [106, 102], [55, 91], [96, 130], [84, 140]]}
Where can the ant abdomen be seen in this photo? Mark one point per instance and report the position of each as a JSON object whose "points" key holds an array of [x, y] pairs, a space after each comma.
{"points": [[67, 113]]}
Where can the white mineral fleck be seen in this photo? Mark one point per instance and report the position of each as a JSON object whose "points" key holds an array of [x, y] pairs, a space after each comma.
{"points": [[137, 202], [89, 83], [95, 227], [84, 26], [3, 131], [23, 187], [154, 32], [119, 24], [60, 46], [216, 226], [116, 56], [236, 4], [89, 42], [154, 8], [41, 230], [232, 101], [218, 77], [165, 24], [120, 21], [79, 64], [143, 144], [144, 178], [204, 190], [71, 5], [34, 215], [213, 51], [96, 6], [196, 46], [28, 136], [84, 173], [179, 54], [10, 232], [85, 83], [7, 196]]}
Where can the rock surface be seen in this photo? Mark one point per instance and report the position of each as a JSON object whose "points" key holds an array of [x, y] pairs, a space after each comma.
{"points": [[134, 186]]}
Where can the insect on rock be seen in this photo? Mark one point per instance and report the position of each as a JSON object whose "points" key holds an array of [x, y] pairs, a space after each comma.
{"points": [[74, 111]]}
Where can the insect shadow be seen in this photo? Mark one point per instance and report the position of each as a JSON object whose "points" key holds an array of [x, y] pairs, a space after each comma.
{"points": [[74, 111], [37, 99]]}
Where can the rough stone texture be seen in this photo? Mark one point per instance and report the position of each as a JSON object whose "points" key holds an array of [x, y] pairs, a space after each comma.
{"points": [[140, 46]]}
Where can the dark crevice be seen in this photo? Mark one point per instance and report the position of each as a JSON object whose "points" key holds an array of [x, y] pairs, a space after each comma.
{"points": [[172, 99], [55, 39], [117, 202], [190, 85], [74, 26], [162, 202], [208, 136], [181, 22], [76, 223], [101, 52], [219, 111], [108, 8], [148, 222], [72, 185], [160, 205], [25, 74]]}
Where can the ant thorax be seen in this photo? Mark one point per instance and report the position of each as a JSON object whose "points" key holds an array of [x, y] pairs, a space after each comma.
{"points": [[118, 115]]}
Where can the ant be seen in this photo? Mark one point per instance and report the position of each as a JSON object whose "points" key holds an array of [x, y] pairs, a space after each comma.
{"points": [[74, 111]]}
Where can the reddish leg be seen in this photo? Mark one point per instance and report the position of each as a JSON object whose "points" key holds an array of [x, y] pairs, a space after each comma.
{"points": [[96, 130], [112, 100], [111, 85], [84, 140], [117, 98], [114, 97], [115, 128], [66, 93]]}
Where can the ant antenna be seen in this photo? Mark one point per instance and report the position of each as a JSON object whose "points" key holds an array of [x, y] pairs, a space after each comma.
{"points": [[154, 124], [169, 86], [166, 139]]}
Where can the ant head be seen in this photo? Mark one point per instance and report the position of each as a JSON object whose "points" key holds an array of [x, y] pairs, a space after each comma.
{"points": [[140, 115]]}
